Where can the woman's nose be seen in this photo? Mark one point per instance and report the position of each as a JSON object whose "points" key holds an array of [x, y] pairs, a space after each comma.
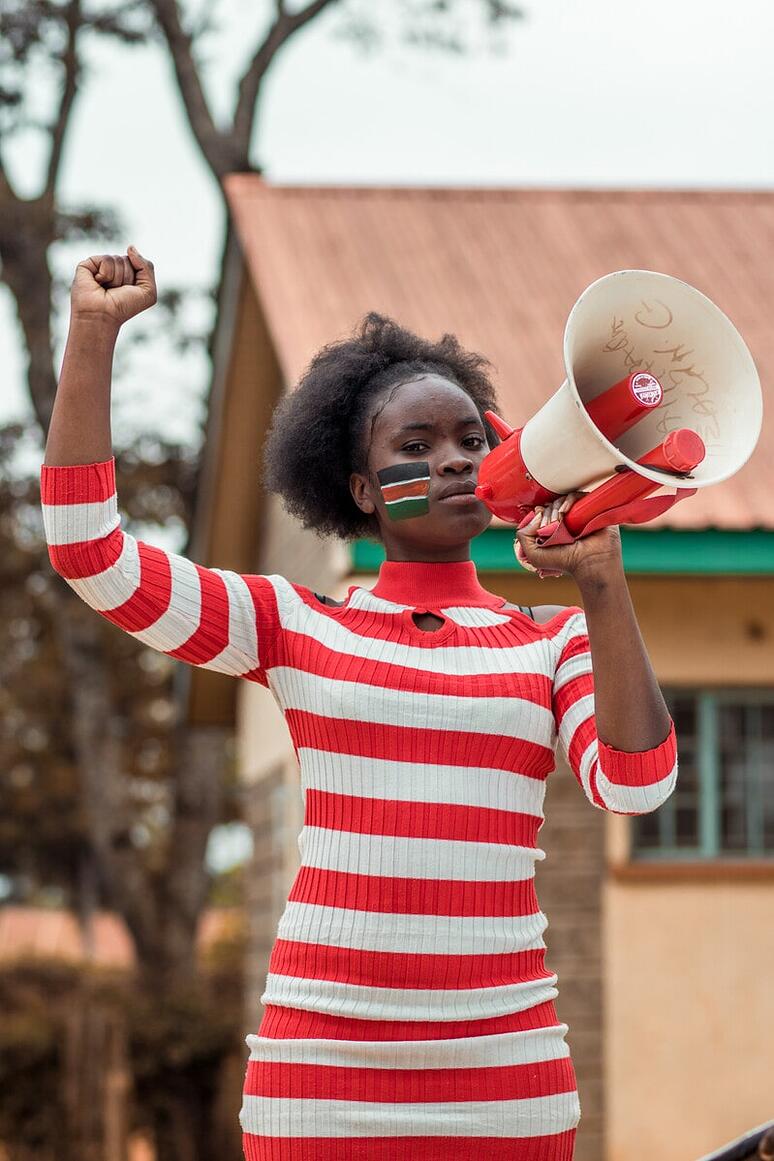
{"points": [[455, 462]]}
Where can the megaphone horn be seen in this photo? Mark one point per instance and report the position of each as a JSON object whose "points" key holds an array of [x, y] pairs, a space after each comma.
{"points": [[661, 391]]}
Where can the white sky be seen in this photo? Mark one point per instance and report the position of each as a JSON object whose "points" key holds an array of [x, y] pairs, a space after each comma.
{"points": [[666, 93]]}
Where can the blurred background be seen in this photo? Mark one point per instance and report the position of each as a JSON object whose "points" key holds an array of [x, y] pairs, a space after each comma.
{"points": [[467, 166]]}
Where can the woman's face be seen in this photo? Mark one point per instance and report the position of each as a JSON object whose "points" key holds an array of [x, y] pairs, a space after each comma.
{"points": [[426, 418]]}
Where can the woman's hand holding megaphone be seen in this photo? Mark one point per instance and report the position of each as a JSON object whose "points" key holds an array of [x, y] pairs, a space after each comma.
{"points": [[599, 551]]}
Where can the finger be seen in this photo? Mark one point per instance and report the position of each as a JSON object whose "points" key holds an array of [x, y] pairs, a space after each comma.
{"points": [[547, 516], [529, 531], [518, 549], [118, 271], [128, 271], [106, 269], [548, 530]]}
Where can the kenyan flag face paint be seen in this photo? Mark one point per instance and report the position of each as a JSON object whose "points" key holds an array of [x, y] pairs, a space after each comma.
{"points": [[405, 488]]}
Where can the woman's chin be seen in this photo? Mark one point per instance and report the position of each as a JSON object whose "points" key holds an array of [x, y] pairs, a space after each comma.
{"points": [[459, 525]]}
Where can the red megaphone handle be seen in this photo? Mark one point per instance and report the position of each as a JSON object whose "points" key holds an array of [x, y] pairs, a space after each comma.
{"points": [[622, 489], [633, 512], [681, 451]]}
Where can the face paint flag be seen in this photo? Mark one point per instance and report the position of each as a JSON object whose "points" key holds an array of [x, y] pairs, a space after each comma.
{"points": [[405, 488]]}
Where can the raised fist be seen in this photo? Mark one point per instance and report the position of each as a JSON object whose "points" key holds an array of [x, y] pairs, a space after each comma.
{"points": [[112, 288]]}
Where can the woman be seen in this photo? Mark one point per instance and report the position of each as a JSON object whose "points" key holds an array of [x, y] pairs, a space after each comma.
{"points": [[408, 1006]]}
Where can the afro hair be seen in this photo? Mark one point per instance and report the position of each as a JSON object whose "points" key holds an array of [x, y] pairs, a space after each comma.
{"points": [[317, 435]]}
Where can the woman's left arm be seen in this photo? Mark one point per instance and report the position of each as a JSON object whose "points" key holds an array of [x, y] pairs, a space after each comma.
{"points": [[612, 721], [630, 710]]}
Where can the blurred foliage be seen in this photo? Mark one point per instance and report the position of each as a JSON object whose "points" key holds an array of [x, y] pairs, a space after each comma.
{"points": [[187, 1041], [452, 26], [43, 835], [30, 1056]]}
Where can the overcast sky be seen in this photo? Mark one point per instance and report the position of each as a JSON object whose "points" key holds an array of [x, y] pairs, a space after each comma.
{"points": [[664, 93]]}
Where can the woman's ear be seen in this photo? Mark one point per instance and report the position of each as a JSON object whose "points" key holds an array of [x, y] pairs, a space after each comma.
{"points": [[361, 493]]}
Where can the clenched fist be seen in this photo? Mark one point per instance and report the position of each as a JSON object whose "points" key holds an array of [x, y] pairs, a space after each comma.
{"points": [[112, 288]]}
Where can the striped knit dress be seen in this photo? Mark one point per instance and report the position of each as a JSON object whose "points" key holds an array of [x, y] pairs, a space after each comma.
{"points": [[409, 1010]]}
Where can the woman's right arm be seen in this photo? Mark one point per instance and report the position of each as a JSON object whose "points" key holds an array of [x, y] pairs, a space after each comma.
{"points": [[208, 617]]}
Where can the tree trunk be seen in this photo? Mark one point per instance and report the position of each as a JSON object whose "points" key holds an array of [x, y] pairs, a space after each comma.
{"points": [[162, 910], [24, 246], [96, 1081]]}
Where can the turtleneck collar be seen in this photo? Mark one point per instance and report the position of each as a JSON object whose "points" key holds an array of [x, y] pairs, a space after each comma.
{"points": [[435, 584]]}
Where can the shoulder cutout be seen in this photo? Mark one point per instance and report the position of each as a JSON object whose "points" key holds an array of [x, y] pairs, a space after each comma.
{"points": [[540, 613], [543, 613], [329, 601]]}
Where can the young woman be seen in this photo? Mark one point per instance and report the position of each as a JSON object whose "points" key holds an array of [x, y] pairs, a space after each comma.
{"points": [[409, 1010]]}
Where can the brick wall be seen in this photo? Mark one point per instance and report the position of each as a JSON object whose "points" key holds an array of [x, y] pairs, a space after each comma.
{"points": [[273, 810], [569, 888]]}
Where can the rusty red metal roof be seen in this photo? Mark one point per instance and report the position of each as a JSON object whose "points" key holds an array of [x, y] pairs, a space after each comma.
{"points": [[501, 268]]}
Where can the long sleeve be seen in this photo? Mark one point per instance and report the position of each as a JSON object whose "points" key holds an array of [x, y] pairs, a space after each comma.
{"points": [[613, 780], [208, 617]]}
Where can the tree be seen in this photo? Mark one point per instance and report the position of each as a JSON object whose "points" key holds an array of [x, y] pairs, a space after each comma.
{"points": [[104, 845]]}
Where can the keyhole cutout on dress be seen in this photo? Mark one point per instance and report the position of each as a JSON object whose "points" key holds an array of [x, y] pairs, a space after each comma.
{"points": [[428, 622]]}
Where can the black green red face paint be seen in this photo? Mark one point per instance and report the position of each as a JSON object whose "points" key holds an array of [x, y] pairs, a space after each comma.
{"points": [[405, 488]]}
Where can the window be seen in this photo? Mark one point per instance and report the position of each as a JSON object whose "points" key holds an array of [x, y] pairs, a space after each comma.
{"points": [[723, 804]]}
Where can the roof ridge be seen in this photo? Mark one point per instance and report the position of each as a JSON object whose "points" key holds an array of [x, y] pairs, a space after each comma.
{"points": [[515, 192]]}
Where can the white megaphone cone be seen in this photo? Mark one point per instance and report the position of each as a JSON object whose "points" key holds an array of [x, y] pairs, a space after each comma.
{"points": [[661, 392]]}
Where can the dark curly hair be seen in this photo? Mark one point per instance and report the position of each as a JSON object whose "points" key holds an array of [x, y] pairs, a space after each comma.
{"points": [[317, 436]]}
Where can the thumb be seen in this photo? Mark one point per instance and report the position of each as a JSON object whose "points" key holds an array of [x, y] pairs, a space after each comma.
{"points": [[521, 558], [143, 268]]}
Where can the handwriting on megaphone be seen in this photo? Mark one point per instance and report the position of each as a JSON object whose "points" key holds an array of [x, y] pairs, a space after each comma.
{"points": [[650, 341]]}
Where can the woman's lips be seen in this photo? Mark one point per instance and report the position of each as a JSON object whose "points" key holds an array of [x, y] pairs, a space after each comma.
{"points": [[460, 498]]}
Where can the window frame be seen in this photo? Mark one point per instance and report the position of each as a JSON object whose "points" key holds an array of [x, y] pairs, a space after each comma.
{"points": [[708, 851]]}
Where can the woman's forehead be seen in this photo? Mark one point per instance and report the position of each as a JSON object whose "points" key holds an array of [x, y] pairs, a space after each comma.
{"points": [[428, 397]]}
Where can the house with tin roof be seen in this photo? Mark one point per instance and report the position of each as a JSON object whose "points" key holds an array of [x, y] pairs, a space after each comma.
{"points": [[659, 926]]}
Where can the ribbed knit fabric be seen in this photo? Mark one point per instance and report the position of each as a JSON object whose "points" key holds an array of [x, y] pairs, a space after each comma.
{"points": [[409, 1011]]}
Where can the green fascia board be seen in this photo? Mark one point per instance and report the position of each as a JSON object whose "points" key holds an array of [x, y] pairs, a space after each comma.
{"points": [[664, 552]]}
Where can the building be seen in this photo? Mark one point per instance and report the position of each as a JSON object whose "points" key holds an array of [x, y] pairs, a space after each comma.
{"points": [[660, 928]]}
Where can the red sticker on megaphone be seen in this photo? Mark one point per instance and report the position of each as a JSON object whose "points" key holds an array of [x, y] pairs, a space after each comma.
{"points": [[646, 389]]}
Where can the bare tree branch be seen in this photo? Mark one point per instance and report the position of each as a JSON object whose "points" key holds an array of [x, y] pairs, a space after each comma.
{"points": [[227, 151], [306, 14], [74, 21], [217, 147], [285, 26]]}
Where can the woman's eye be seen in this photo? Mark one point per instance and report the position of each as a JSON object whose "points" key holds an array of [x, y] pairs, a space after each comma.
{"points": [[420, 445]]}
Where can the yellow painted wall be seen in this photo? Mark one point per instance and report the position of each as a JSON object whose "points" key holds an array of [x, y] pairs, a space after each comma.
{"points": [[689, 1011], [689, 995]]}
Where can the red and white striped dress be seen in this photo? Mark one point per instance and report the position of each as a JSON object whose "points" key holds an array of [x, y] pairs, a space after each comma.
{"points": [[409, 1011]]}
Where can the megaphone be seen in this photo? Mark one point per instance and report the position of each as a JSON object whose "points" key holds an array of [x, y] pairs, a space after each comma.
{"points": [[661, 397]]}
